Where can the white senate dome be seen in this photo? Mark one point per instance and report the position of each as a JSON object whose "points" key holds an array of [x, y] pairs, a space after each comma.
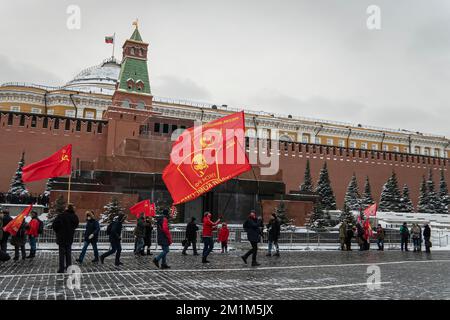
{"points": [[97, 79]]}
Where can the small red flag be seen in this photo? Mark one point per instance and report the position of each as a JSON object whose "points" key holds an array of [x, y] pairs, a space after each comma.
{"points": [[109, 39], [206, 156], [143, 207], [368, 229], [371, 211], [58, 164], [14, 225], [173, 212]]}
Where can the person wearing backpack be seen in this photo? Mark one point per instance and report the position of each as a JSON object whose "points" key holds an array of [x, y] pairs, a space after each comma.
{"points": [[18, 241], [34, 227], [164, 239], [114, 231], [90, 236]]}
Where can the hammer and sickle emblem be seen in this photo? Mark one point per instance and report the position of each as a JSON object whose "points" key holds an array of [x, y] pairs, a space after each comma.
{"points": [[65, 157]]}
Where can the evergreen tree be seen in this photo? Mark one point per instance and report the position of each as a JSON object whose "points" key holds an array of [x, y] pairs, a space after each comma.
{"points": [[347, 216], [434, 204], [281, 213], [390, 195], [352, 198], [443, 194], [406, 204], [48, 187], [56, 208], [324, 190], [112, 210], [367, 199], [422, 205], [307, 185], [17, 187], [318, 219]]}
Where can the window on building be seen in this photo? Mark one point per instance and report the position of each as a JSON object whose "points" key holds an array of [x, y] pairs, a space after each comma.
{"points": [[51, 111], [67, 125], [183, 127], [437, 153], [426, 151], [395, 148], [36, 110], [341, 143], [89, 126], [317, 140], [165, 128], [56, 123], [385, 147], [89, 114], [157, 127], [33, 121], [417, 150], [140, 105], [78, 125], [10, 119], [45, 123], [363, 145], [22, 121], [174, 127], [70, 113], [405, 149], [100, 128], [352, 144], [305, 139], [374, 146], [14, 108], [330, 142]]}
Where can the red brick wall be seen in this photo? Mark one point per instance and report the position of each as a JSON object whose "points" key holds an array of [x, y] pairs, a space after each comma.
{"points": [[297, 210]]}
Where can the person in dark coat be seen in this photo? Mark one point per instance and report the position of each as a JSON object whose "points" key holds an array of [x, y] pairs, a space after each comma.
{"points": [[139, 234], [361, 236], [148, 234], [90, 236], [4, 242], [404, 236], [273, 229], [427, 237], [64, 226], [380, 237], [252, 228], [164, 239], [348, 237], [18, 241], [115, 237], [191, 237]]}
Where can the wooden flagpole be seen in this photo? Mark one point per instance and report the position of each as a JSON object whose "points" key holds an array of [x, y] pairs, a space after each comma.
{"points": [[68, 190]]}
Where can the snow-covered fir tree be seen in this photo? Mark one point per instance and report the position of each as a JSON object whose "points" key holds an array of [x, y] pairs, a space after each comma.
{"points": [[111, 210], [318, 219], [352, 198], [434, 204], [48, 187], [281, 212], [390, 195], [324, 190], [443, 194], [406, 204], [347, 216], [56, 208], [17, 187], [307, 185], [366, 198], [422, 205]]}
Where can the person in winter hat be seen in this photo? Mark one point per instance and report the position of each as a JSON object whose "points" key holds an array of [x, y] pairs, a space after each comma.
{"points": [[164, 239], [115, 238], [207, 233], [273, 229], [404, 236], [33, 233], [224, 233], [252, 228], [90, 236], [18, 241]]}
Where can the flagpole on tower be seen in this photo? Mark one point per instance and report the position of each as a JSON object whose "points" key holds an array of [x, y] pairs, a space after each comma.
{"points": [[68, 190], [114, 44]]}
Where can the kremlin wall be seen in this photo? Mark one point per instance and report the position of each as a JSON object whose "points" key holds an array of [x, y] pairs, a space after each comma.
{"points": [[121, 142]]}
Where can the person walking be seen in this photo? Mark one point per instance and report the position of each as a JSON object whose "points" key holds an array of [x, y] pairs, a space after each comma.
{"points": [[415, 234], [6, 219], [148, 226], [224, 233], [114, 231], [350, 233], [139, 234], [90, 236], [342, 234], [64, 226], [380, 237], [404, 236], [427, 237], [18, 241], [164, 239], [191, 237], [33, 232], [252, 228], [273, 229], [207, 233]]}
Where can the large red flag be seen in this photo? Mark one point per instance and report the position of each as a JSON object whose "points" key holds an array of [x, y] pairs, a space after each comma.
{"points": [[206, 156], [371, 211], [13, 226], [58, 164], [143, 207]]}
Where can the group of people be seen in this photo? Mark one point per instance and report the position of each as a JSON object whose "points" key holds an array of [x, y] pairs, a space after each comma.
{"points": [[26, 232], [362, 233]]}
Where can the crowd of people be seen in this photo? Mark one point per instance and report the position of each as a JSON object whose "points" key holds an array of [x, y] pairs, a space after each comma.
{"points": [[65, 224]]}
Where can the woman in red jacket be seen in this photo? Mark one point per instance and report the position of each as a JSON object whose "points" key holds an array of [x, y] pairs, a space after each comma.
{"points": [[33, 232], [224, 233], [208, 243]]}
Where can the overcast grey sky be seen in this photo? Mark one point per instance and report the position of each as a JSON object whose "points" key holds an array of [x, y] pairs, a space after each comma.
{"points": [[311, 58]]}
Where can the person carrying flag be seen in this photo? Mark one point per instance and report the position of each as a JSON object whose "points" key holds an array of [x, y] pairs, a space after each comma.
{"points": [[164, 239], [18, 241], [33, 232]]}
